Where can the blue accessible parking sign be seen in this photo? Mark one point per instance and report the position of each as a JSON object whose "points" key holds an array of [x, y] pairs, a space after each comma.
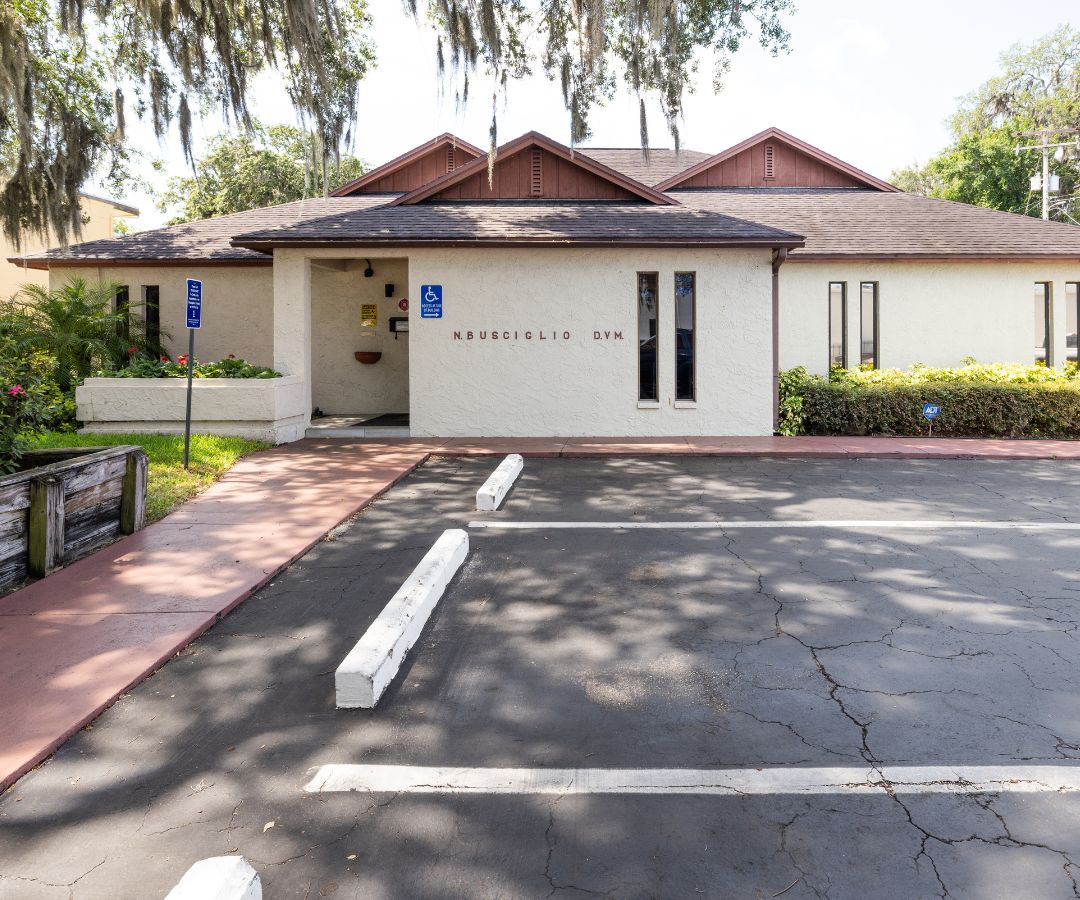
{"points": [[194, 303], [431, 301]]}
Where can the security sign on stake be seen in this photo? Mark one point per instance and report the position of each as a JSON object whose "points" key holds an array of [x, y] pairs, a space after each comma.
{"points": [[431, 301], [931, 411]]}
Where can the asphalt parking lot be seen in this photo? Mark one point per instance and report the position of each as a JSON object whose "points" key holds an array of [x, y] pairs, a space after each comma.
{"points": [[809, 656]]}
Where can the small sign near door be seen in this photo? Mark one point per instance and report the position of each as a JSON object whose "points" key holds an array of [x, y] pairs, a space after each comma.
{"points": [[369, 315], [431, 301]]}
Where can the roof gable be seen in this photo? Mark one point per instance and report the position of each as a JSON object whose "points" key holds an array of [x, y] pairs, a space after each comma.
{"points": [[773, 158], [413, 169], [534, 167]]}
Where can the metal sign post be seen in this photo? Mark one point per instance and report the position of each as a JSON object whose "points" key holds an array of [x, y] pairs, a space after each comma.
{"points": [[194, 321]]}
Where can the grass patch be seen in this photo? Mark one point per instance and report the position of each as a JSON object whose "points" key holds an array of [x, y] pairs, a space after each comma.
{"points": [[168, 484]]}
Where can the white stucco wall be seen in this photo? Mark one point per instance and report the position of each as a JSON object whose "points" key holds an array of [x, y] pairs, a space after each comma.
{"points": [[340, 384], [237, 305], [930, 312], [580, 385]]}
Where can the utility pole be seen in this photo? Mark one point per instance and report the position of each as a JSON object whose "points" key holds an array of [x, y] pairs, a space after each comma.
{"points": [[1044, 145]]}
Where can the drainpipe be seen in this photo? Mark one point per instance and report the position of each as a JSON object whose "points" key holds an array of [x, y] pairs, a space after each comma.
{"points": [[779, 254]]}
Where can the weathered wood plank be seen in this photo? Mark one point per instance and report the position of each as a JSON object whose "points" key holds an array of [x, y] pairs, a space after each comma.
{"points": [[92, 496], [46, 525], [90, 539], [14, 496], [13, 571], [133, 503], [94, 473]]}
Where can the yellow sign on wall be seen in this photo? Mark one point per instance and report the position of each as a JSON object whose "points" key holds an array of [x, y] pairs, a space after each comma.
{"points": [[369, 315]]}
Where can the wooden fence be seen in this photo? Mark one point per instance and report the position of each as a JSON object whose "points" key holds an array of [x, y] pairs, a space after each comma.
{"points": [[71, 503]]}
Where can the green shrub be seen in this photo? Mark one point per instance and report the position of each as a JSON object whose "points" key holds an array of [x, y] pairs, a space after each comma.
{"points": [[975, 401], [29, 402], [230, 367]]}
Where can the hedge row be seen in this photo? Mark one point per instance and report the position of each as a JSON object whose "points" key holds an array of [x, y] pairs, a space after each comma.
{"points": [[813, 405]]}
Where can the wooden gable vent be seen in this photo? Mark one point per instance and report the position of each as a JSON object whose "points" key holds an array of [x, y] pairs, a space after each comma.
{"points": [[450, 158], [536, 184], [770, 169]]}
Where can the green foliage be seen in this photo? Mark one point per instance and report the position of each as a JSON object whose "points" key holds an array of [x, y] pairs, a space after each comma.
{"points": [[1038, 87], [592, 47], [75, 325], [28, 401], [66, 64], [168, 483], [976, 401], [791, 419], [265, 167], [230, 367]]}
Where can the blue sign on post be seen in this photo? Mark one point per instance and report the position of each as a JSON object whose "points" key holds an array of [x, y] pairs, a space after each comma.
{"points": [[931, 411], [194, 303], [431, 301]]}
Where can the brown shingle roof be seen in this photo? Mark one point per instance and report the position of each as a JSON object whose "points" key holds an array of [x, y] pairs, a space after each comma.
{"points": [[502, 223], [875, 224], [661, 164], [203, 240]]}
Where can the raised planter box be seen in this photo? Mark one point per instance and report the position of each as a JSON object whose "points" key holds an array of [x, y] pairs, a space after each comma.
{"points": [[266, 409], [68, 504]]}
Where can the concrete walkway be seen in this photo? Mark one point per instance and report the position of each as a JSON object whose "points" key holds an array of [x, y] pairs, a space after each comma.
{"points": [[72, 643]]}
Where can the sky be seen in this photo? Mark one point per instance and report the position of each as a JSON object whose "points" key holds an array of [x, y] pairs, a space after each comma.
{"points": [[871, 82]]}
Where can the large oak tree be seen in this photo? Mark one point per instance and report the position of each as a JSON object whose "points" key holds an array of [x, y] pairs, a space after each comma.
{"points": [[71, 70]]}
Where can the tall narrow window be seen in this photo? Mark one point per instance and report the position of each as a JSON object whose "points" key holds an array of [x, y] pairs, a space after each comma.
{"points": [[152, 315], [837, 324], [122, 305], [685, 297], [1042, 323], [868, 324], [1072, 318], [647, 335]]}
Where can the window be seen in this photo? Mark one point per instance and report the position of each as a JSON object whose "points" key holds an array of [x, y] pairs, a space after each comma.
{"points": [[122, 306], [152, 315], [647, 335], [685, 297], [1042, 323], [868, 324], [1072, 318], [837, 324]]}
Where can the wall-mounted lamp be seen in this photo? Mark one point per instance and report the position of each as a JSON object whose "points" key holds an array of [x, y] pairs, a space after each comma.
{"points": [[368, 272]]}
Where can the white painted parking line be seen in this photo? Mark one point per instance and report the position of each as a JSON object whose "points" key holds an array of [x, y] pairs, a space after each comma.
{"points": [[218, 878], [494, 489], [372, 664], [898, 779], [841, 524]]}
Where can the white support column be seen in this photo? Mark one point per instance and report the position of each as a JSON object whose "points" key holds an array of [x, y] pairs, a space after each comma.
{"points": [[292, 321]]}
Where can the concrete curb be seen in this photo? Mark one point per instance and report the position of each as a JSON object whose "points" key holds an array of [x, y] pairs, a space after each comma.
{"points": [[218, 878], [493, 490], [372, 664]]}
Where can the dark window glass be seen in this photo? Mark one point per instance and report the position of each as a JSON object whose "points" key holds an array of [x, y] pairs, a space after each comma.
{"points": [[123, 309], [1042, 323], [868, 324], [685, 296], [1072, 317], [647, 335], [837, 324], [152, 315]]}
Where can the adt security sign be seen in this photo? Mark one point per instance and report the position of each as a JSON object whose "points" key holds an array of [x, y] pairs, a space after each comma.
{"points": [[194, 303], [431, 301], [931, 411]]}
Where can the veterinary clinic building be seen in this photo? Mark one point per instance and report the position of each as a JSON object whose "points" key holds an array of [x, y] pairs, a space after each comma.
{"points": [[577, 292]]}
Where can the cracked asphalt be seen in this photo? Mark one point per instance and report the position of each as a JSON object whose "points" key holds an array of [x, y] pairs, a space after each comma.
{"points": [[612, 649]]}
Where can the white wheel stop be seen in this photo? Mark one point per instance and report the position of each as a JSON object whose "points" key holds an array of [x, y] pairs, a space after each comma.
{"points": [[493, 491], [218, 878], [372, 664]]}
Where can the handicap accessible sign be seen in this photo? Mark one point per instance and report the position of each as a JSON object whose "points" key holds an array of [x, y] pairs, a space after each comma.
{"points": [[431, 301]]}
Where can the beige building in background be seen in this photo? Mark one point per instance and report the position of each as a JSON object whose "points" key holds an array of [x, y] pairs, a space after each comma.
{"points": [[99, 221]]}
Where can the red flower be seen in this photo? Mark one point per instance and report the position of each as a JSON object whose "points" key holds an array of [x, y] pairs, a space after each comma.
{"points": [[165, 359], [182, 359], [232, 356], [133, 350], [16, 390]]}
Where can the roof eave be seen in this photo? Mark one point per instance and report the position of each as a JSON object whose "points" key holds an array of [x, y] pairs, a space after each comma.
{"points": [[269, 245]]}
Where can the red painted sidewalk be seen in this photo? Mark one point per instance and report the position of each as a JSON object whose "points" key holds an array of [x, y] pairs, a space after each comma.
{"points": [[71, 643]]}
